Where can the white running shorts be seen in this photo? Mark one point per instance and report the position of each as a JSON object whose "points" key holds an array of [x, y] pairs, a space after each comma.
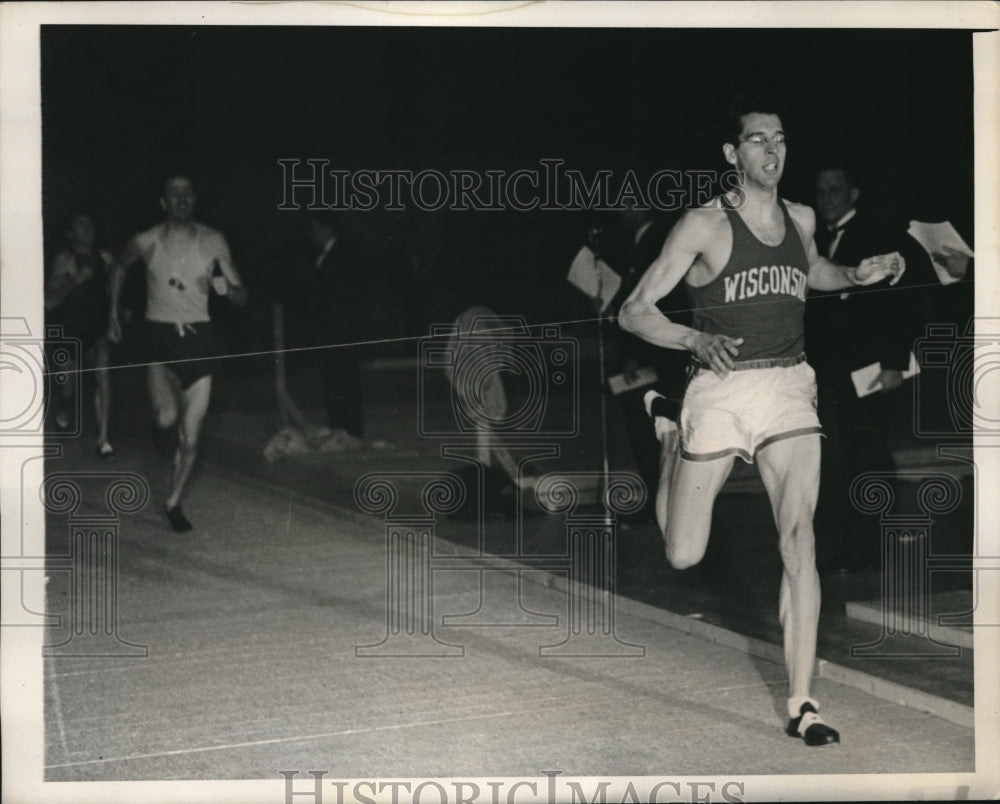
{"points": [[747, 410]]}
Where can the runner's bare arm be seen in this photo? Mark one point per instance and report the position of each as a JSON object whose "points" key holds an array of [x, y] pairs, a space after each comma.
{"points": [[61, 282], [131, 254], [827, 275], [640, 315], [236, 292]]}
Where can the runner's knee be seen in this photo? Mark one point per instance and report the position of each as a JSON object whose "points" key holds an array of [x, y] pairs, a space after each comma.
{"points": [[680, 560], [187, 438], [797, 545], [683, 555], [166, 416], [190, 430]]}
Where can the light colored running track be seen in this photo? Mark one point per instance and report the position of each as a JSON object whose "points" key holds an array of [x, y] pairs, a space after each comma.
{"points": [[252, 623]]}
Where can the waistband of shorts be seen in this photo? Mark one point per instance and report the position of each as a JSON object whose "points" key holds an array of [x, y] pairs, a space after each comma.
{"points": [[178, 326], [767, 362]]}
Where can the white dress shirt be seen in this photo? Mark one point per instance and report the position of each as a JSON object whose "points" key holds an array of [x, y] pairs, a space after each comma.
{"points": [[838, 231]]}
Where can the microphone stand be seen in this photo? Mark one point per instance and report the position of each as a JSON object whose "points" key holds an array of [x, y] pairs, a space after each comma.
{"points": [[593, 241]]}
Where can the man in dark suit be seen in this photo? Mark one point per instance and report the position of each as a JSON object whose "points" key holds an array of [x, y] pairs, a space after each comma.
{"points": [[849, 330], [335, 295]]}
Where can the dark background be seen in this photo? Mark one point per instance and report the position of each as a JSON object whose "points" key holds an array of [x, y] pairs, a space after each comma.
{"points": [[122, 105]]}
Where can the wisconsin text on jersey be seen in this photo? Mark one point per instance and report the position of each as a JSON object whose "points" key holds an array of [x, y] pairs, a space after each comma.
{"points": [[785, 280]]}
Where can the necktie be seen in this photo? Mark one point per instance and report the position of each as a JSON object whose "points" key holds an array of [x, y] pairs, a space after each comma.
{"points": [[835, 234]]}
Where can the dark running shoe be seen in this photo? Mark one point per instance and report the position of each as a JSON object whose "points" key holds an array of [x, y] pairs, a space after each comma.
{"points": [[664, 412], [811, 728], [177, 519], [658, 406], [162, 437]]}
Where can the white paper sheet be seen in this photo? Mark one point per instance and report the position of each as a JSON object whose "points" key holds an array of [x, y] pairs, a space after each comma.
{"points": [[933, 237], [643, 376], [864, 377]]}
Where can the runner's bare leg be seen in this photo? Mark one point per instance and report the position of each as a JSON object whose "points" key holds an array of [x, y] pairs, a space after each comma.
{"points": [[102, 392], [693, 487], [790, 471], [164, 390], [194, 406]]}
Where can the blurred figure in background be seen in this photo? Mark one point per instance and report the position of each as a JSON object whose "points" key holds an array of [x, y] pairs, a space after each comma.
{"points": [[334, 297], [77, 299]]}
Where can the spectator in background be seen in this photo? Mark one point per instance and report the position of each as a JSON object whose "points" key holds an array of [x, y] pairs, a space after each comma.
{"points": [[334, 300], [848, 330], [77, 299]]}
